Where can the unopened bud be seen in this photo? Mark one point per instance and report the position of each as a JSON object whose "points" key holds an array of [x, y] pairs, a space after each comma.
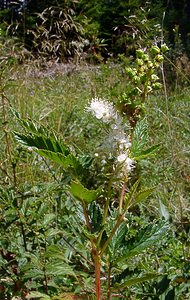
{"points": [[164, 48], [155, 50]]}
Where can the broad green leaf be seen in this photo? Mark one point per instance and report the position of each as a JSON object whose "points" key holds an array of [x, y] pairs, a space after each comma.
{"points": [[135, 280], [66, 161], [57, 253], [81, 193], [85, 160], [145, 238], [34, 127], [41, 142], [53, 232]]}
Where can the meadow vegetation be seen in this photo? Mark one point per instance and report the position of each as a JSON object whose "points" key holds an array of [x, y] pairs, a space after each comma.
{"points": [[94, 175], [42, 253]]}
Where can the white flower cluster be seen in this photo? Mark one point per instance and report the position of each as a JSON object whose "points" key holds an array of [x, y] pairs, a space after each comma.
{"points": [[117, 141], [101, 109]]}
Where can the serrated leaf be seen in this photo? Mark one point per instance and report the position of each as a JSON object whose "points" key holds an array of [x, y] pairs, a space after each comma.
{"points": [[33, 127], [96, 217], [41, 142], [85, 160], [118, 239], [139, 138], [139, 141], [53, 232], [135, 280], [59, 269], [66, 161], [81, 193], [145, 238], [33, 273]]}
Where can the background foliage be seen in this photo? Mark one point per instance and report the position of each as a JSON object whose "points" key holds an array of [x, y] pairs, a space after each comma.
{"points": [[120, 25]]}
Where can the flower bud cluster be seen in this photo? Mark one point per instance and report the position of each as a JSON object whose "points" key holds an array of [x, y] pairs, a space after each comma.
{"points": [[143, 75]]}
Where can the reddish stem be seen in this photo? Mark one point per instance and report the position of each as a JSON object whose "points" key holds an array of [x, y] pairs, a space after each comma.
{"points": [[97, 261]]}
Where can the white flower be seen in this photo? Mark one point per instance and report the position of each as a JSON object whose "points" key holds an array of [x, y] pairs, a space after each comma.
{"points": [[124, 144], [128, 163], [102, 109], [121, 158]]}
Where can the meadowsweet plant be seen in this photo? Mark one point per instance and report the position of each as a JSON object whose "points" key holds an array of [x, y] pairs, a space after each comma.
{"points": [[99, 192], [101, 226]]}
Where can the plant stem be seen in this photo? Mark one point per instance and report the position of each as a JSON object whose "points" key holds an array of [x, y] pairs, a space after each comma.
{"points": [[95, 255], [105, 210], [119, 221], [97, 264], [109, 282], [86, 216], [108, 200], [121, 198]]}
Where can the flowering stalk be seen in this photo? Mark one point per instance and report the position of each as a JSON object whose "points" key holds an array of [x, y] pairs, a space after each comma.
{"points": [[118, 144]]}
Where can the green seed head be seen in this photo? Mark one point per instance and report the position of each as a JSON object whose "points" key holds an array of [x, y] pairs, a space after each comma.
{"points": [[139, 53], [164, 48], [155, 50]]}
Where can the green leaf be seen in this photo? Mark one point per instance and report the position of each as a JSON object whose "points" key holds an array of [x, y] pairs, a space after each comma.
{"points": [[139, 141], [134, 197], [130, 196], [81, 193], [48, 218], [60, 269], [146, 153], [139, 138], [33, 127], [164, 211], [41, 142], [142, 195], [39, 136], [53, 232], [37, 295], [118, 239], [145, 238], [135, 280], [95, 216], [34, 273], [66, 161]]}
